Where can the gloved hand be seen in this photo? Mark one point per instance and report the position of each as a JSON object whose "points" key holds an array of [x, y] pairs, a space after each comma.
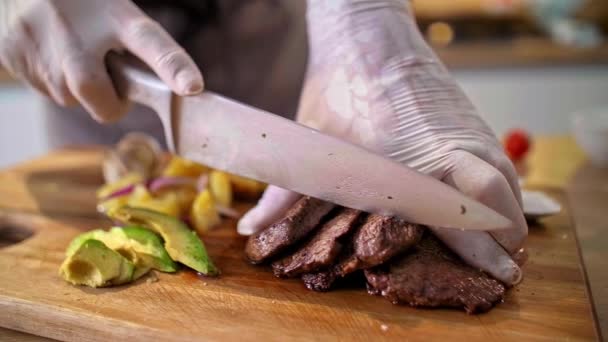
{"points": [[59, 46], [372, 80]]}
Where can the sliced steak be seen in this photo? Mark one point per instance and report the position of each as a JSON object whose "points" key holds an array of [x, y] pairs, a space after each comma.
{"points": [[432, 276], [299, 221], [379, 239], [375, 242], [322, 250], [320, 281]]}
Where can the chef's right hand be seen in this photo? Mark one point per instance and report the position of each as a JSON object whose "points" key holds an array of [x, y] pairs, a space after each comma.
{"points": [[372, 80], [59, 46]]}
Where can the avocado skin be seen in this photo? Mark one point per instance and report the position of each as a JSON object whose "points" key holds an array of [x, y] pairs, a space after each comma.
{"points": [[155, 255], [141, 246], [182, 244], [93, 264]]}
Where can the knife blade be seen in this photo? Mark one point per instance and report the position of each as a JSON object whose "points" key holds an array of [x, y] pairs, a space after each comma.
{"points": [[231, 136]]}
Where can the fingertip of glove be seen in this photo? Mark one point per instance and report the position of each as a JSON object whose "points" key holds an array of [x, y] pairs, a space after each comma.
{"points": [[189, 83], [516, 276], [511, 274], [245, 226], [109, 116]]}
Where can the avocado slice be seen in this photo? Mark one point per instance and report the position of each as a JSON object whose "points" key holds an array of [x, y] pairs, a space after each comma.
{"points": [[140, 271], [182, 244], [93, 264], [148, 246], [139, 245]]}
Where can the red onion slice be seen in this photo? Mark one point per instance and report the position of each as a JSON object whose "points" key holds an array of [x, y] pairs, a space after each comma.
{"points": [[164, 182], [120, 192], [227, 211]]}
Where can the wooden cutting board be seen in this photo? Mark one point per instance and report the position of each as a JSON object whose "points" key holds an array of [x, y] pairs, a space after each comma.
{"points": [[53, 198]]}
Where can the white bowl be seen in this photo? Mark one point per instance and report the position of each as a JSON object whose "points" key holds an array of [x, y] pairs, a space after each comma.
{"points": [[591, 132], [537, 204]]}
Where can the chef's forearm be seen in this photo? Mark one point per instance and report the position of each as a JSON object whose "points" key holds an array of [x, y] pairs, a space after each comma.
{"points": [[384, 20], [381, 39]]}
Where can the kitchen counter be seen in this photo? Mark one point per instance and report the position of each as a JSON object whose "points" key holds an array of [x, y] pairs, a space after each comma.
{"points": [[588, 198], [557, 162], [521, 52]]}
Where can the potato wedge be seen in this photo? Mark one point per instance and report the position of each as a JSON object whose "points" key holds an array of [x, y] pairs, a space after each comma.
{"points": [[221, 188], [166, 203], [180, 167], [204, 215]]}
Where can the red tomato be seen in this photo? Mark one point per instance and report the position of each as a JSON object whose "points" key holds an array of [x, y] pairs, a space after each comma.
{"points": [[517, 144]]}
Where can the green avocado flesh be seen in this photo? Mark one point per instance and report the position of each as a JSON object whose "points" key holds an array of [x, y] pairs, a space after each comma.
{"points": [[139, 245], [93, 264], [182, 244]]}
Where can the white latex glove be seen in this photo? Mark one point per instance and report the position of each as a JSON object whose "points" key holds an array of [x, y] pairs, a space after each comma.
{"points": [[372, 80], [59, 46]]}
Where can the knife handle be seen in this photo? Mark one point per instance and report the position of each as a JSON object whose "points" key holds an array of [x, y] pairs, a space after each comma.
{"points": [[134, 81]]}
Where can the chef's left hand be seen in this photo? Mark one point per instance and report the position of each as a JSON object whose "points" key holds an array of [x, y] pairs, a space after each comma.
{"points": [[372, 80], [59, 48]]}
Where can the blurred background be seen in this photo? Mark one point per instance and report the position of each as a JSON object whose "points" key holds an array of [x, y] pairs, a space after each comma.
{"points": [[526, 64]]}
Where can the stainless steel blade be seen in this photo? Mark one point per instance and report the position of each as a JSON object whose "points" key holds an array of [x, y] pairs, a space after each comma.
{"points": [[231, 136]]}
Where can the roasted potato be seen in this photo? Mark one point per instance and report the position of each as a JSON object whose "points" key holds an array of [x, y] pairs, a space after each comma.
{"points": [[204, 215]]}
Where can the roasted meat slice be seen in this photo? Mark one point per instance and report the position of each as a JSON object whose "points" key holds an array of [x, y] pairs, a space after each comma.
{"points": [[319, 281], [298, 222], [432, 276], [375, 242], [401, 261], [379, 239], [320, 251]]}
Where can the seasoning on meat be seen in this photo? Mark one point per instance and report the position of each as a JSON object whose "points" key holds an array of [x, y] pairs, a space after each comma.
{"points": [[375, 242], [401, 261], [432, 276], [320, 281], [300, 220], [322, 250], [379, 239]]}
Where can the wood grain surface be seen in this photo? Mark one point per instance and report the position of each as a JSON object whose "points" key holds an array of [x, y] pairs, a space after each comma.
{"points": [[588, 198], [7, 335], [53, 198]]}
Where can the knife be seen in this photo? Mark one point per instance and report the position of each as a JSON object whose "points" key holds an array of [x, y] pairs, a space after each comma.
{"points": [[236, 138]]}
